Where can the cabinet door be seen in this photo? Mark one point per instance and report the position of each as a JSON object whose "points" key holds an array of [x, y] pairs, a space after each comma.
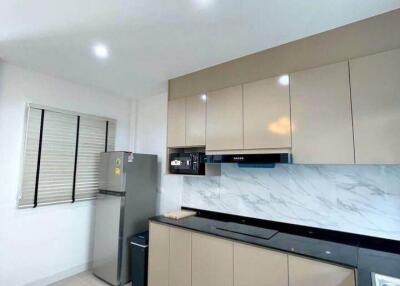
{"points": [[321, 116], [261, 267], [212, 261], [375, 89], [180, 257], [196, 120], [224, 129], [307, 272], [158, 255], [176, 122], [266, 113]]}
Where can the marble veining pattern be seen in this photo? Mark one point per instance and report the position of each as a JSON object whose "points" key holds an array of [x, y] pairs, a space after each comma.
{"points": [[356, 199]]}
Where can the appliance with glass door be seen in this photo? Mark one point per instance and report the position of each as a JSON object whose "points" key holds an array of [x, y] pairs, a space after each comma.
{"points": [[126, 200]]}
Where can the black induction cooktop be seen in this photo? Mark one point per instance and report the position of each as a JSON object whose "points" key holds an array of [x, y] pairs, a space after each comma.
{"points": [[248, 230]]}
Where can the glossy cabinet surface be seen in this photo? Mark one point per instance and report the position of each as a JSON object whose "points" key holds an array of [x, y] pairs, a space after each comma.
{"points": [[258, 266], [212, 261], [176, 122], [375, 88], [266, 112], [196, 120], [158, 255], [321, 115], [180, 257], [307, 272], [224, 129]]}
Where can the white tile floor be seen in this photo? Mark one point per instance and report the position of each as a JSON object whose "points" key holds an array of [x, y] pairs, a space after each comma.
{"points": [[82, 279]]}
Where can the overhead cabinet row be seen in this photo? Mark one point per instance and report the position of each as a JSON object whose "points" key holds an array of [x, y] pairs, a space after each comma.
{"points": [[343, 113]]}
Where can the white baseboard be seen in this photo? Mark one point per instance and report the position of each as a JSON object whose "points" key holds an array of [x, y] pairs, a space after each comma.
{"points": [[61, 275]]}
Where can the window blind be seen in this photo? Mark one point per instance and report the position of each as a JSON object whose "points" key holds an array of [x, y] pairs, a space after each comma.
{"points": [[57, 158], [92, 140], [31, 157], [62, 156]]}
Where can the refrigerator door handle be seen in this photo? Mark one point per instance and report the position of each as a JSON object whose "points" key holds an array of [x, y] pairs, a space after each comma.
{"points": [[140, 245]]}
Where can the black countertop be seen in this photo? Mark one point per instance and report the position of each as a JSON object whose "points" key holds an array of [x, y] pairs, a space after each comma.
{"points": [[347, 254]]}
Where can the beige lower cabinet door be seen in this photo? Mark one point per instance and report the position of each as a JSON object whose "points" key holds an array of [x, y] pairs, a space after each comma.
{"points": [[180, 257], [212, 261], [158, 255], [307, 272], [255, 266]]}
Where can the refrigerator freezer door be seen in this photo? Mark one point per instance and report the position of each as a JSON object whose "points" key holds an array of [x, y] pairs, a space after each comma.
{"points": [[112, 172], [107, 244]]}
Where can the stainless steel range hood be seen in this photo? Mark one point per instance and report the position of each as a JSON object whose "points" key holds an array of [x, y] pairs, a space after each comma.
{"points": [[280, 158]]}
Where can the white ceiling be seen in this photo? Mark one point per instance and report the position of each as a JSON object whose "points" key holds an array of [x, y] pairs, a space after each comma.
{"points": [[152, 41]]}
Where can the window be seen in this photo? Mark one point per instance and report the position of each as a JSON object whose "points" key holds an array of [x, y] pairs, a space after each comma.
{"points": [[62, 156]]}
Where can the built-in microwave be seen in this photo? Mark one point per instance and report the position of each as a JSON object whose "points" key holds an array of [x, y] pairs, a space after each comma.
{"points": [[191, 163]]}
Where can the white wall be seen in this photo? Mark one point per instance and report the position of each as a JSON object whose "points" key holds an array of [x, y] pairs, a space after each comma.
{"points": [[150, 119], [49, 242]]}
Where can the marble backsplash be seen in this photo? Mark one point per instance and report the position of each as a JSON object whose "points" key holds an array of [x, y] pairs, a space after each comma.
{"points": [[357, 199]]}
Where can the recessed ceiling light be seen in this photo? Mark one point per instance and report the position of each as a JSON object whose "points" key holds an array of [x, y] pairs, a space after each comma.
{"points": [[204, 97], [284, 79], [100, 51]]}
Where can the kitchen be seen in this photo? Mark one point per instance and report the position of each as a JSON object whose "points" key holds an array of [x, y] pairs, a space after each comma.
{"points": [[292, 173]]}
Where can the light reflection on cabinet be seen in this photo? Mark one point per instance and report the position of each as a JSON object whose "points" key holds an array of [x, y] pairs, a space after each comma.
{"points": [[266, 112]]}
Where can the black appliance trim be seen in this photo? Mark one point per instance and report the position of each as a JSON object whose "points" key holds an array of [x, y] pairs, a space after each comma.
{"points": [[112, 193], [283, 158], [364, 241], [196, 168]]}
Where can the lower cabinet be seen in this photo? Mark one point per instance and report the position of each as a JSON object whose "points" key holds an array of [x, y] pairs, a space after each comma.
{"points": [[179, 257], [307, 272], [212, 261], [170, 256], [259, 266], [158, 255]]}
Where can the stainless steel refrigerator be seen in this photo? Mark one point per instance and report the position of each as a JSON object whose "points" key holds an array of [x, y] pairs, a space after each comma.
{"points": [[126, 199]]}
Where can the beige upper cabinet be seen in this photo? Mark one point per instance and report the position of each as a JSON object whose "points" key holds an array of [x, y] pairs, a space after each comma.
{"points": [[158, 255], [176, 122], [375, 88], [258, 266], [212, 261], [180, 257], [321, 116], [266, 112], [196, 120], [224, 130], [307, 272]]}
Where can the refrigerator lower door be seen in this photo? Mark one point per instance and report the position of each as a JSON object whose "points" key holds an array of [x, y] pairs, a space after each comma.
{"points": [[107, 253]]}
